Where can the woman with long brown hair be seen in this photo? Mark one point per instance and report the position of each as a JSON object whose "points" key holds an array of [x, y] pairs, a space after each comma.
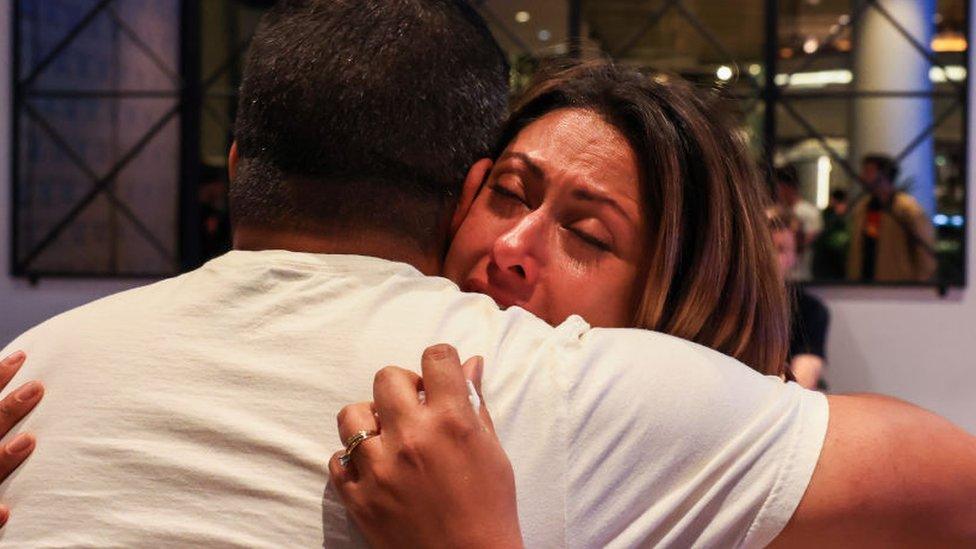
{"points": [[705, 269], [621, 197]]}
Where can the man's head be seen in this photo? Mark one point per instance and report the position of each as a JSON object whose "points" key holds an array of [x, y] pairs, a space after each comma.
{"points": [[878, 174], [364, 116], [787, 185]]}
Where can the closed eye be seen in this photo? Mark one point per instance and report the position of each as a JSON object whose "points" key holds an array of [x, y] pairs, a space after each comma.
{"points": [[498, 189], [590, 239]]}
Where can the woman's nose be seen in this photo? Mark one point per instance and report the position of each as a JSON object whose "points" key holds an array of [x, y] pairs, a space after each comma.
{"points": [[517, 251]]}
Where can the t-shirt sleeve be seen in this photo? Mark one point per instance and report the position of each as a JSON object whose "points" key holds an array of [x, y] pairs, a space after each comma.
{"points": [[671, 443]]}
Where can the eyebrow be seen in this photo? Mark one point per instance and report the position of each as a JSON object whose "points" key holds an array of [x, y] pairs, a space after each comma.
{"points": [[532, 165], [578, 193], [590, 196]]}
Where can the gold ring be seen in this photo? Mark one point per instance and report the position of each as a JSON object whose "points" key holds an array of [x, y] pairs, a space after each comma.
{"points": [[352, 443]]}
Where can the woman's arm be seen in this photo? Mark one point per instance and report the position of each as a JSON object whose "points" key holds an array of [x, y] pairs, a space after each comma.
{"points": [[13, 408], [435, 475]]}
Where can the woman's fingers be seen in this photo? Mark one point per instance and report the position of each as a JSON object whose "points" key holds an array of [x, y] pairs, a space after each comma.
{"points": [[17, 404], [395, 392], [13, 453], [9, 366], [355, 418], [443, 381], [473, 369], [342, 478]]}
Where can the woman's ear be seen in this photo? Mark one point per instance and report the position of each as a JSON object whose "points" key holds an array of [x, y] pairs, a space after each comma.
{"points": [[469, 191], [232, 162]]}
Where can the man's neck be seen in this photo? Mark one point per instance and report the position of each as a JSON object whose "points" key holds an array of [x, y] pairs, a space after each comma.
{"points": [[383, 246]]}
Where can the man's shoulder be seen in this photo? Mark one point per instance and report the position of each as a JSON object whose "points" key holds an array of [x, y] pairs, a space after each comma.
{"points": [[117, 308], [630, 363]]}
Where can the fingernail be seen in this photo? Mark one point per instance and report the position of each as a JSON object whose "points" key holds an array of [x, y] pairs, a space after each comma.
{"points": [[438, 352], [14, 358], [4, 515], [28, 392], [19, 445]]}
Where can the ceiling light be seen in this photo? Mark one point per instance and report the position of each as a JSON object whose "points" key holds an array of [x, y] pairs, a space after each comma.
{"points": [[522, 16], [724, 73], [810, 45], [949, 41], [755, 69], [544, 35]]}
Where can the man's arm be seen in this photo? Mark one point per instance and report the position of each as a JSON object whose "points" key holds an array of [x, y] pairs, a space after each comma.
{"points": [[889, 473]]}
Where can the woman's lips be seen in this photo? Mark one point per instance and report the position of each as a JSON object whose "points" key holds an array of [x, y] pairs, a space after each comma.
{"points": [[504, 299]]}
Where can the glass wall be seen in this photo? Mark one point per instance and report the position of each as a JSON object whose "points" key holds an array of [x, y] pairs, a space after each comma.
{"points": [[818, 86], [125, 109]]}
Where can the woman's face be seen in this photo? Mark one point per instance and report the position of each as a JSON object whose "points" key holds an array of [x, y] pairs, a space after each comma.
{"points": [[559, 226], [784, 240]]}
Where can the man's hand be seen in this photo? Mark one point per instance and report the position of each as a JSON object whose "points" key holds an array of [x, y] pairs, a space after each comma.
{"points": [[435, 475], [13, 408]]}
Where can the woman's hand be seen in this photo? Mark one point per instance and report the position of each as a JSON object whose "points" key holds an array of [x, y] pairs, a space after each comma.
{"points": [[13, 408], [435, 475]]}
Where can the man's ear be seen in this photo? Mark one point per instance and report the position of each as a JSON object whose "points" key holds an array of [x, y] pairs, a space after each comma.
{"points": [[232, 162], [476, 177]]}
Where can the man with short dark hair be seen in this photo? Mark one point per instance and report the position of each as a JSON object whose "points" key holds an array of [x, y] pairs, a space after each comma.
{"points": [[892, 239], [374, 128], [198, 411]]}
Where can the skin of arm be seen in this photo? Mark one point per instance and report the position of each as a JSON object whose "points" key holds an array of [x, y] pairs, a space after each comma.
{"points": [[889, 474], [807, 369]]}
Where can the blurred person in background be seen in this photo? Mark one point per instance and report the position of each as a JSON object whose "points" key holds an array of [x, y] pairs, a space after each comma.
{"points": [[892, 237], [830, 249], [810, 317], [789, 196]]}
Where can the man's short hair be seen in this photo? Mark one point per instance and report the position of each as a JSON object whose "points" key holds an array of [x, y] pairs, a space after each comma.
{"points": [[886, 165], [364, 114], [787, 175]]}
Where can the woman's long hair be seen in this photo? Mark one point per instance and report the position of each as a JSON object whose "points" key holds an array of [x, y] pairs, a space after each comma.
{"points": [[710, 271]]}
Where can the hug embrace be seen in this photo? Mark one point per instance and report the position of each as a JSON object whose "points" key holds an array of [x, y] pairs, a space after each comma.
{"points": [[599, 249]]}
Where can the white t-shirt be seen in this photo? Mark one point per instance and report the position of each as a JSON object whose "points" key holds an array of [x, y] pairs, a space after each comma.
{"points": [[201, 411]]}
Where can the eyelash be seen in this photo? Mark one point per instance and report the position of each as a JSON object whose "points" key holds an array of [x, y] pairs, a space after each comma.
{"points": [[495, 187], [584, 237], [588, 239]]}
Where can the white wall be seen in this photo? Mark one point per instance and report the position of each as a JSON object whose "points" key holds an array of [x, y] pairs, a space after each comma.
{"points": [[23, 305], [904, 342]]}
